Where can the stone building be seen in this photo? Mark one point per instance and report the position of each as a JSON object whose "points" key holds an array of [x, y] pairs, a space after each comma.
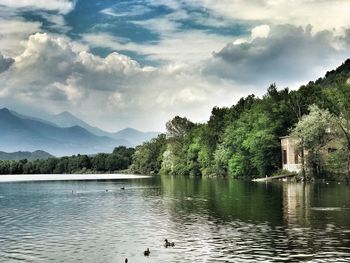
{"points": [[290, 157]]}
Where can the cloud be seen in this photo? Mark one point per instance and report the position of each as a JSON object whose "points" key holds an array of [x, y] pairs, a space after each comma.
{"points": [[55, 73], [22, 18], [61, 6], [284, 54], [325, 14], [137, 10], [261, 31], [13, 32], [178, 48], [198, 65], [58, 64]]}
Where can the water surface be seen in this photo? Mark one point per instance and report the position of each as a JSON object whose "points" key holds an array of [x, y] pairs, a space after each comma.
{"points": [[210, 220]]}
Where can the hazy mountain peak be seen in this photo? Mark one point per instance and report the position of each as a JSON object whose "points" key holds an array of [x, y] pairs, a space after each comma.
{"points": [[5, 110], [66, 114]]}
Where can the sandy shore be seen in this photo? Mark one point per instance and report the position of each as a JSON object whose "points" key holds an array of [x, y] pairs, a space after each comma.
{"points": [[67, 177]]}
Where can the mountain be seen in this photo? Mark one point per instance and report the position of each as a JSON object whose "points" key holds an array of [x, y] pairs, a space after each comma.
{"points": [[65, 119], [134, 136], [23, 134], [25, 155], [130, 137], [22, 116]]}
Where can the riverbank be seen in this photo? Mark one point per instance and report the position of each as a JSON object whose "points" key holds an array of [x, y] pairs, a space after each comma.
{"points": [[67, 177]]}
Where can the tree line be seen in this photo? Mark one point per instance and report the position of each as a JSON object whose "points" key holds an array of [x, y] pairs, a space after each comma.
{"points": [[119, 159]]}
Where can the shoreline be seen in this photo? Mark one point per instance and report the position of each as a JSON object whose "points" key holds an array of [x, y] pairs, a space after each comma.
{"points": [[66, 177]]}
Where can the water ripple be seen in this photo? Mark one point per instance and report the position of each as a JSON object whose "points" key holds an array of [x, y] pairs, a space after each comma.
{"points": [[46, 222]]}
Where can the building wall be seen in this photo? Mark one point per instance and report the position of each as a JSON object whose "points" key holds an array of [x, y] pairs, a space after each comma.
{"points": [[290, 159]]}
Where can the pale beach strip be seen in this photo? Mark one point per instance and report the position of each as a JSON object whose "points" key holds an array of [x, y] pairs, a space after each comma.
{"points": [[67, 177]]}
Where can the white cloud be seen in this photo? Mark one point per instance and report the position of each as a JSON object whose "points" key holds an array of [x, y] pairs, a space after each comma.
{"points": [[54, 74], [177, 48], [261, 31], [174, 44], [62, 6], [137, 10], [325, 14], [13, 32], [15, 29], [287, 55]]}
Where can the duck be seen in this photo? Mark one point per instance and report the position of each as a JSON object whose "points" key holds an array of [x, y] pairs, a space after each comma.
{"points": [[169, 244], [126, 260], [122, 188], [147, 252]]}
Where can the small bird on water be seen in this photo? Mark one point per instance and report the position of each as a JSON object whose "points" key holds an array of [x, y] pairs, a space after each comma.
{"points": [[122, 188], [126, 260], [147, 252], [168, 243]]}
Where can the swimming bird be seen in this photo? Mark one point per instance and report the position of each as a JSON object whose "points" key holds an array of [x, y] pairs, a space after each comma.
{"points": [[122, 188], [126, 260], [169, 244], [147, 252]]}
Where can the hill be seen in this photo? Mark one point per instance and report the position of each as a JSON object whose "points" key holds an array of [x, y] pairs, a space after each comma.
{"points": [[36, 155], [134, 136]]}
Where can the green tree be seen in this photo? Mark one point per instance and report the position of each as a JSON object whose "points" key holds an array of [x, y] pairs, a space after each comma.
{"points": [[148, 156], [312, 133]]}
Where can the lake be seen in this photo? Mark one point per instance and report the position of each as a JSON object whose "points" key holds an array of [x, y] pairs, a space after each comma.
{"points": [[210, 220]]}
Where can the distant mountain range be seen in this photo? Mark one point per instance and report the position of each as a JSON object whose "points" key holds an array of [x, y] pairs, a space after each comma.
{"points": [[25, 155], [61, 134], [130, 136]]}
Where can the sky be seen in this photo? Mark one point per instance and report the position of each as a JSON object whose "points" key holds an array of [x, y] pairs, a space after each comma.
{"points": [[139, 63]]}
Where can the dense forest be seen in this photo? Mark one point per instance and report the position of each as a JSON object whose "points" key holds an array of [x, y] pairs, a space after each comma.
{"points": [[119, 159], [244, 140], [241, 141]]}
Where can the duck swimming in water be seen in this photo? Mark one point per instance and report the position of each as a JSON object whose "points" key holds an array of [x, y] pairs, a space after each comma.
{"points": [[147, 252], [169, 244]]}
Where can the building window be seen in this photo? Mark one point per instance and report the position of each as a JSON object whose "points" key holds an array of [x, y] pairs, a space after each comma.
{"points": [[332, 150], [284, 157]]}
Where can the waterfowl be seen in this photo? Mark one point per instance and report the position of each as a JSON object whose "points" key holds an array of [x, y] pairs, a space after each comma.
{"points": [[122, 188], [126, 260], [169, 244], [147, 252]]}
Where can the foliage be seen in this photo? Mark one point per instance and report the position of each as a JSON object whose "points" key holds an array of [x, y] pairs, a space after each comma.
{"points": [[148, 157], [313, 132], [119, 159]]}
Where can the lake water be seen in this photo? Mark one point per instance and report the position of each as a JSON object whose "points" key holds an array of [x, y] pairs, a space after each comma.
{"points": [[210, 220]]}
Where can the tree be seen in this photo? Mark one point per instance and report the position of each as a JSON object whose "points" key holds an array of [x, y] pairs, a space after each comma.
{"points": [[148, 156], [338, 97], [178, 127], [313, 133]]}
